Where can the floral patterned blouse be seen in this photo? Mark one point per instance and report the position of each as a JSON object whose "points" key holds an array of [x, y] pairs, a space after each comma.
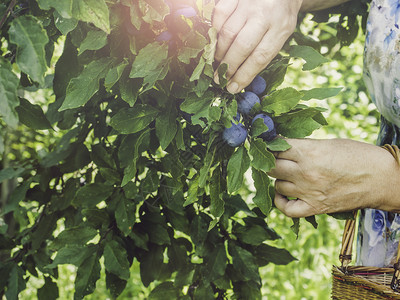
{"points": [[379, 231]]}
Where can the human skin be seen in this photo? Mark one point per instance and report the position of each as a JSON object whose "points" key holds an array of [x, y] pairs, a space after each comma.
{"points": [[327, 176], [250, 36]]}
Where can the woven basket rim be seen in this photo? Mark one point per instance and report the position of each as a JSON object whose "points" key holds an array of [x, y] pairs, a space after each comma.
{"points": [[362, 281]]}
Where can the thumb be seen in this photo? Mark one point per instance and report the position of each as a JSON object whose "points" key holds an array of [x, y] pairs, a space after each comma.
{"points": [[293, 208]]}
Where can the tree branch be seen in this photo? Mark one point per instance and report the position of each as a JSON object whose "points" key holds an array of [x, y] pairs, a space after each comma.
{"points": [[8, 11]]}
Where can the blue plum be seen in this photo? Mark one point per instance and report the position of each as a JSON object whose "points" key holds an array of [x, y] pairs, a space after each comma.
{"points": [[164, 36], [247, 102], [258, 85], [270, 134], [237, 118], [186, 11], [235, 135]]}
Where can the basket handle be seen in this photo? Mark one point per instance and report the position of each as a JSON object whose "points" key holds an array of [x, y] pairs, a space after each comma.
{"points": [[349, 232]]}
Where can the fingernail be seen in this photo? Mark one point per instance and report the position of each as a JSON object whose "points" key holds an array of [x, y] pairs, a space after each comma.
{"points": [[216, 78], [233, 88]]}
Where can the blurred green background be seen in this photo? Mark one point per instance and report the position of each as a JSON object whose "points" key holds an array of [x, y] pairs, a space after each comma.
{"points": [[350, 115]]}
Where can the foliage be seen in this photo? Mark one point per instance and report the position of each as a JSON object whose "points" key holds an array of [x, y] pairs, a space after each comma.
{"points": [[123, 163]]}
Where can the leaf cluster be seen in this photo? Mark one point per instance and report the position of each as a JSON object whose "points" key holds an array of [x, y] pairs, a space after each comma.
{"points": [[125, 160]]}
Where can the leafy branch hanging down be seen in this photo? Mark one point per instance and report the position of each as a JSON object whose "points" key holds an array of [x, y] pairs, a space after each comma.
{"points": [[135, 154]]}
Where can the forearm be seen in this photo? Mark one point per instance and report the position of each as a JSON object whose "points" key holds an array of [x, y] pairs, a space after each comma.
{"points": [[311, 5]]}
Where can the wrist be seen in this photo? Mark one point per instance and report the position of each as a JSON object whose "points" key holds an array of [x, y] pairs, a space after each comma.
{"points": [[387, 185]]}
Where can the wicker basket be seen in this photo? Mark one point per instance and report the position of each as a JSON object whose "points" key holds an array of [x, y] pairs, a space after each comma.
{"points": [[358, 282]]}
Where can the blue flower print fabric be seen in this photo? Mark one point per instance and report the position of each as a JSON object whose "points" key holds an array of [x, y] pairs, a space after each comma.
{"points": [[379, 231]]}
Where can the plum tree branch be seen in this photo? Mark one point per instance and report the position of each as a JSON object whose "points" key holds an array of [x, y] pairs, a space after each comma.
{"points": [[8, 11]]}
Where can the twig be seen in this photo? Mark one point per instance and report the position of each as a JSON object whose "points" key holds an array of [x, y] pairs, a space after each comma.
{"points": [[9, 9]]}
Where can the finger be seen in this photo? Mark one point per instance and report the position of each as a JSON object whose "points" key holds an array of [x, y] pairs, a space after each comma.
{"points": [[284, 170], [293, 153], [228, 34], [244, 44], [293, 208], [222, 11], [259, 59], [286, 188]]}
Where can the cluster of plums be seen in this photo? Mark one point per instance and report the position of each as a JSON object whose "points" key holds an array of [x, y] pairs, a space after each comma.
{"points": [[236, 135]]}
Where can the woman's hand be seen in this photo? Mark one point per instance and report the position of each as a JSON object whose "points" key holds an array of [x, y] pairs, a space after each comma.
{"points": [[250, 35], [328, 176]]}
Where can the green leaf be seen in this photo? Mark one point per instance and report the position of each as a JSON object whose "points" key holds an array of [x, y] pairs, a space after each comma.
{"points": [[78, 235], [205, 170], [153, 10], [320, 93], [278, 145], [193, 45], [203, 291], [67, 67], [63, 7], [87, 276], [16, 196], [82, 88], [92, 11], [92, 194], [263, 160], [298, 124], [238, 164], [30, 37], [49, 290], [343, 215], [244, 262], [235, 204], [165, 290], [252, 235], [199, 230], [72, 254], [313, 58], [8, 96], [184, 276], [150, 264], [258, 127], [216, 191], [247, 290], [101, 156], [125, 214], [192, 196], [9, 173], [222, 69], [32, 115], [151, 64], [115, 285], [114, 75], [134, 119], [312, 221], [262, 198], [218, 260], [130, 170], [129, 88], [199, 106], [275, 73], [65, 25], [43, 230], [94, 40], [296, 226], [115, 259], [198, 70], [281, 101], [277, 256], [166, 126], [158, 234], [16, 283]]}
